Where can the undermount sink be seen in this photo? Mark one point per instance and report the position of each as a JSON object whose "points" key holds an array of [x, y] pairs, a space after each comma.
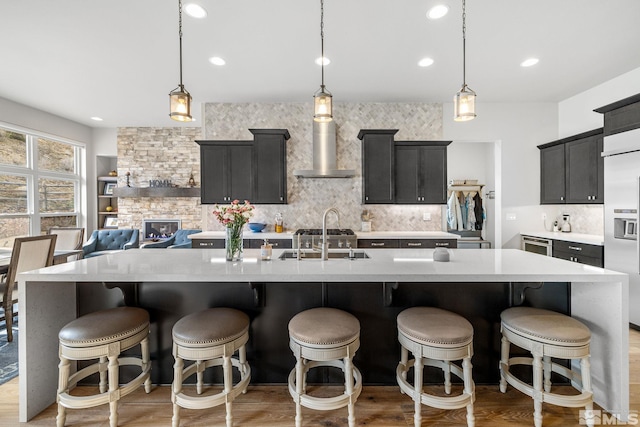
{"points": [[290, 254]]}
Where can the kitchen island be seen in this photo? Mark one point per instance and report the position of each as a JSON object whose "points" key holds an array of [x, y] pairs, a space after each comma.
{"points": [[476, 283]]}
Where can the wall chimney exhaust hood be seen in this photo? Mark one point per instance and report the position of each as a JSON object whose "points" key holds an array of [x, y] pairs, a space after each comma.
{"points": [[324, 154]]}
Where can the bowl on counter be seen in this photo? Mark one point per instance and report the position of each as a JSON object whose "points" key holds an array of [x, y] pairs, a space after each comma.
{"points": [[257, 227]]}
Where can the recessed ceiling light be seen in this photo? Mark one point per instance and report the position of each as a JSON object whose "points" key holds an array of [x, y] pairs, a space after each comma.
{"points": [[437, 11], [425, 62], [529, 62], [216, 60], [195, 10], [323, 60], [97, 119]]}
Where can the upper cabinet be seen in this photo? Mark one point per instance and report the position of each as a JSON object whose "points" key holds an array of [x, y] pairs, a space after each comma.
{"points": [[572, 170], [377, 165], [245, 170], [402, 172], [225, 167], [270, 165], [421, 172]]}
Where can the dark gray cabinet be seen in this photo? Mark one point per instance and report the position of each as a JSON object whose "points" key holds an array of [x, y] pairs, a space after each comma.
{"points": [[245, 170], [552, 175], [572, 170], [402, 172], [270, 165], [579, 252], [621, 116], [226, 171], [377, 165], [421, 172]]}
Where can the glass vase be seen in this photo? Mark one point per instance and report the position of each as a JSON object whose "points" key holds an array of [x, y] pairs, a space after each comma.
{"points": [[233, 244]]}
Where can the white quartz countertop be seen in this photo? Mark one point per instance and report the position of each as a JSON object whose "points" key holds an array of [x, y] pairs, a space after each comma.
{"points": [[385, 265], [406, 235], [247, 234], [590, 239], [360, 234]]}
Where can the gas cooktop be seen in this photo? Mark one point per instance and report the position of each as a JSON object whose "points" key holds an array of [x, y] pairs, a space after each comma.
{"points": [[330, 232]]}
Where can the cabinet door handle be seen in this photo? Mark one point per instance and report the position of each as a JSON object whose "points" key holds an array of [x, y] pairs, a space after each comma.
{"points": [[575, 248], [442, 243], [561, 197], [377, 244], [366, 197], [414, 244]]}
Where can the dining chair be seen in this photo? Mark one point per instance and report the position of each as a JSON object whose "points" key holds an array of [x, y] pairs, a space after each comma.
{"points": [[29, 253], [69, 238]]}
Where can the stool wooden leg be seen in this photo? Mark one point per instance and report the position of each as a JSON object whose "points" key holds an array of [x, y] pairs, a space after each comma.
{"points": [[144, 349], [63, 384], [299, 390], [585, 369], [102, 368], [447, 378], [199, 376], [537, 390], [114, 392], [242, 356], [546, 364], [178, 367], [504, 363], [469, 389], [348, 377], [404, 358], [228, 386], [417, 390]]}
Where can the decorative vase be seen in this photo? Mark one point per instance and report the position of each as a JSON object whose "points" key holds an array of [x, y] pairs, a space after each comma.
{"points": [[233, 243]]}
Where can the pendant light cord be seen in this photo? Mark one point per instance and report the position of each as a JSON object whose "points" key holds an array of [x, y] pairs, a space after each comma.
{"points": [[322, 40], [464, 42], [180, 36]]}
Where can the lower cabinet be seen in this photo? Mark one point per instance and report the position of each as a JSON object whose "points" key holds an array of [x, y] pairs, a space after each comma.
{"points": [[406, 243], [579, 252], [247, 243]]}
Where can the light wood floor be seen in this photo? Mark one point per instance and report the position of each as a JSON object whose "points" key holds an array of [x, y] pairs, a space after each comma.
{"points": [[271, 406]]}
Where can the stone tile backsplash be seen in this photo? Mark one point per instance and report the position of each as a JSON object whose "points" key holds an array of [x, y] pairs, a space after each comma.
{"points": [[309, 197]]}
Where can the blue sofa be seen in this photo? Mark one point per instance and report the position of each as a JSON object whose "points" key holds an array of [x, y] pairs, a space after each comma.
{"points": [[178, 240], [102, 242]]}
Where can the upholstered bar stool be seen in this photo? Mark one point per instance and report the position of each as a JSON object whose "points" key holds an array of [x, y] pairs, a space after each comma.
{"points": [[436, 337], [546, 334], [103, 335], [210, 338], [324, 337]]}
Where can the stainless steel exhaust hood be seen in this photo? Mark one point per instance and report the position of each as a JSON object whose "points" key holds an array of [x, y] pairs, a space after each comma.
{"points": [[324, 154]]}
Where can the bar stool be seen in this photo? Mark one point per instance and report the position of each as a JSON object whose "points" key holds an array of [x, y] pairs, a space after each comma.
{"points": [[102, 335], [324, 337], [210, 338], [546, 334], [436, 337]]}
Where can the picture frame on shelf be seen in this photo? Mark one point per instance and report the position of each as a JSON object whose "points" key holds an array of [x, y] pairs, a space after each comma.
{"points": [[108, 188], [111, 222]]}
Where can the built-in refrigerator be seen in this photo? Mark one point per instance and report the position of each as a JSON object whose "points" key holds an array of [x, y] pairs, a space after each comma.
{"points": [[622, 192]]}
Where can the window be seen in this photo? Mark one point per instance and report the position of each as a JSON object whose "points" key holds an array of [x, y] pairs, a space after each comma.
{"points": [[40, 184]]}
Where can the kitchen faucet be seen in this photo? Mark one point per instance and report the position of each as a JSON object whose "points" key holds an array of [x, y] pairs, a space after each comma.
{"points": [[325, 243]]}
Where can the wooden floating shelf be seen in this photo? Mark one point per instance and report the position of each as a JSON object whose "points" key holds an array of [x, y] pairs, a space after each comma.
{"points": [[156, 192]]}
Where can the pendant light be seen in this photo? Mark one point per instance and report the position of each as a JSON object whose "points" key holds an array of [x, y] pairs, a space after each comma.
{"points": [[464, 102], [180, 98], [322, 100]]}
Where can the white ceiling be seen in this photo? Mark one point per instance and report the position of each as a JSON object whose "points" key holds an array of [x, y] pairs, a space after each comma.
{"points": [[118, 59]]}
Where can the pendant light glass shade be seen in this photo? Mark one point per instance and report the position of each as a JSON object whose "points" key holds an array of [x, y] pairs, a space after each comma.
{"points": [[464, 105], [180, 98], [180, 104], [323, 109]]}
